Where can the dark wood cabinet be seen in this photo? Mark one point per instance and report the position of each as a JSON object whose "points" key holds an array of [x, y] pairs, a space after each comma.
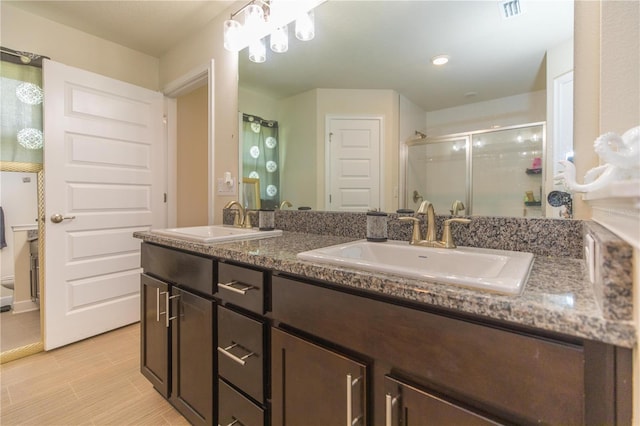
{"points": [[154, 333], [408, 405], [284, 350], [178, 330], [458, 366], [315, 386], [192, 356]]}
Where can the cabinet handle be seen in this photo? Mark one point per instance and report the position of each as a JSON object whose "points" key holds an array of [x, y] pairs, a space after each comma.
{"points": [[350, 384], [390, 401], [166, 309], [158, 304], [235, 421], [239, 360], [229, 286]]}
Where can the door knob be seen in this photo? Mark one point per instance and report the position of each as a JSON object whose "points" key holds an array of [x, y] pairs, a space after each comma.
{"points": [[57, 218]]}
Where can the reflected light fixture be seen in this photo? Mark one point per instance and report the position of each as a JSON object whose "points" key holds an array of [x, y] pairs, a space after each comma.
{"points": [[280, 39], [269, 17], [440, 60], [257, 51], [305, 26]]}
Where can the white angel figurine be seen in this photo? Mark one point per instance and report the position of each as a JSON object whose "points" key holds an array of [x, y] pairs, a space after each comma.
{"points": [[620, 158]]}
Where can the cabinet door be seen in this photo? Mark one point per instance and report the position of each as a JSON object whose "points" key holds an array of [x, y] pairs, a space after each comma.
{"points": [[154, 333], [410, 406], [314, 386], [192, 356]]}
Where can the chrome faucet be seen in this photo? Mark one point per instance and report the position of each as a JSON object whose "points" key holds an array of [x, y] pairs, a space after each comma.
{"points": [[241, 218], [430, 238]]}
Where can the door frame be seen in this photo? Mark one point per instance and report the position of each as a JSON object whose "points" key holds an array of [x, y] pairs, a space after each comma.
{"points": [[327, 153], [197, 77]]}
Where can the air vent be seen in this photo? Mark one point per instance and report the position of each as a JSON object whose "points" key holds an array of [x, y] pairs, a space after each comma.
{"points": [[510, 8]]}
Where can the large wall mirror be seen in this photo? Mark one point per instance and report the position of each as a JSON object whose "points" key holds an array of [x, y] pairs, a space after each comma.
{"points": [[372, 61], [22, 187]]}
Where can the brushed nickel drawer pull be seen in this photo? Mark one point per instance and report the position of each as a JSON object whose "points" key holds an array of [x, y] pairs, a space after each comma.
{"points": [[167, 302], [166, 310], [239, 360], [243, 291], [235, 421], [390, 401], [157, 304]]}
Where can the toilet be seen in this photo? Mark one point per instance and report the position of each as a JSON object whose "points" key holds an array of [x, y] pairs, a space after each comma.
{"points": [[6, 295]]}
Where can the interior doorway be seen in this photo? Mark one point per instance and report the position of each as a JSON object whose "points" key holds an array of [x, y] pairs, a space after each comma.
{"points": [[191, 157], [353, 164]]}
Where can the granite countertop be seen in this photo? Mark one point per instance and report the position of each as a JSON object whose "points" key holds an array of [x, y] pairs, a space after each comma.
{"points": [[558, 296]]}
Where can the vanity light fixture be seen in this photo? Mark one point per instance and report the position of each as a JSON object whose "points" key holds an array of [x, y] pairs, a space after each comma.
{"points": [[440, 60], [306, 26], [269, 17], [257, 51], [280, 39]]}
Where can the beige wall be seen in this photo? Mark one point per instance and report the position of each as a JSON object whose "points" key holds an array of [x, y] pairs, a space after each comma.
{"points": [[250, 102], [620, 107], [192, 158], [298, 128], [503, 112], [192, 53], [21, 30]]}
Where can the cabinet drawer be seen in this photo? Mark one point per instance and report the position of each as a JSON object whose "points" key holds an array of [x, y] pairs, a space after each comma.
{"points": [[233, 408], [241, 352], [241, 286], [188, 270]]}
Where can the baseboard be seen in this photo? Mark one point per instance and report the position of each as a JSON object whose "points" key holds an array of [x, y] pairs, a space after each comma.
{"points": [[24, 306]]}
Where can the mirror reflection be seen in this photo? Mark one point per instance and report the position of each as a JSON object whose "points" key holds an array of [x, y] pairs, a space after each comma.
{"points": [[502, 72]]}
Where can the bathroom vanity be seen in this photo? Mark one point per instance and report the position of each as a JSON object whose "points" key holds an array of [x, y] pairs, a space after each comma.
{"points": [[245, 333]]}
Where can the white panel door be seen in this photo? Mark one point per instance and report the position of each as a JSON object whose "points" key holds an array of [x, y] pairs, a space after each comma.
{"points": [[104, 161], [353, 170]]}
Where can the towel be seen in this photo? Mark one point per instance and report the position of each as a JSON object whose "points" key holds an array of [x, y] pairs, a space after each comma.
{"points": [[3, 240]]}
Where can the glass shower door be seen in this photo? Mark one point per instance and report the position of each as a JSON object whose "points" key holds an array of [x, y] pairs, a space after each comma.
{"points": [[507, 172], [436, 171]]}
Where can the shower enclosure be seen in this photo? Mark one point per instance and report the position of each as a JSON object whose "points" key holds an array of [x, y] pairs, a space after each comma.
{"points": [[495, 172]]}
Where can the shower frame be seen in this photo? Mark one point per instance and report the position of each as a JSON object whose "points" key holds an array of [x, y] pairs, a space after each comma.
{"points": [[468, 137]]}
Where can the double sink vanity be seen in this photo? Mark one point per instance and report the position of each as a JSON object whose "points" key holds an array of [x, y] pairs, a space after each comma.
{"points": [[310, 324]]}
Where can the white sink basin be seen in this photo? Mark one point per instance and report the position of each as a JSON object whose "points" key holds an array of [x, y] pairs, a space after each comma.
{"points": [[495, 270], [216, 233]]}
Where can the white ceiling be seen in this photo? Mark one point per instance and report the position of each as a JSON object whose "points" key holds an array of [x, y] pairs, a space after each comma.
{"points": [[359, 44]]}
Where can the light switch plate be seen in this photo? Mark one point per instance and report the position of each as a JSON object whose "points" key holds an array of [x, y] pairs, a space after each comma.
{"points": [[225, 188]]}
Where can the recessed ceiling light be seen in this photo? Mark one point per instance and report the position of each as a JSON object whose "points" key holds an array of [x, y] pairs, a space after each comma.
{"points": [[440, 60], [471, 94]]}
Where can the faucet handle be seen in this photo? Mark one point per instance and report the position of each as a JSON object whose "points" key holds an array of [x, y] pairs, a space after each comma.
{"points": [[447, 238], [415, 233], [236, 217], [247, 219]]}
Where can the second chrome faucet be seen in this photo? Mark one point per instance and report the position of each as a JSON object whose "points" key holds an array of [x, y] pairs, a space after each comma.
{"points": [[430, 239]]}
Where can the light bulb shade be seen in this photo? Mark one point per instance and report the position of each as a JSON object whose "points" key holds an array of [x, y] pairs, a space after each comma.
{"points": [[257, 51], [305, 26], [280, 39], [232, 35], [253, 20]]}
